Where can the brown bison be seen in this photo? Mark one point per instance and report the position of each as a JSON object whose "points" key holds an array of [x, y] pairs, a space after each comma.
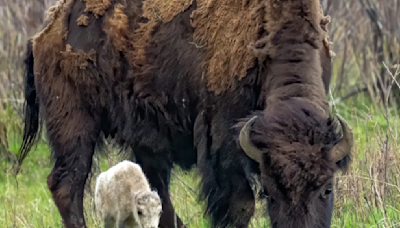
{"points": [[236, 87]]}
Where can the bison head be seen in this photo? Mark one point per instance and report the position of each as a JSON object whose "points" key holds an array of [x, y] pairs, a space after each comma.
{"points": [[298, 150]]}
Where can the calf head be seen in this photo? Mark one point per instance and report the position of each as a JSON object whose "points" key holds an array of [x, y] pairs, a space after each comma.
{"points": [[149, 209], [298, 151]]}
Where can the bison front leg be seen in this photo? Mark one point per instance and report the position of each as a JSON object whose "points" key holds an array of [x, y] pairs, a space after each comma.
{"points": [[72, 138], [225, 187], [157, 169]]}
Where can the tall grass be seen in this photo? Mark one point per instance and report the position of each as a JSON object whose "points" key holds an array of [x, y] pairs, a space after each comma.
{"points": [[363, 90]]}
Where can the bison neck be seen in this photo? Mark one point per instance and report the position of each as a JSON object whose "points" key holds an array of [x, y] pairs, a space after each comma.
{"points": [[297, 73], [291, 49]]}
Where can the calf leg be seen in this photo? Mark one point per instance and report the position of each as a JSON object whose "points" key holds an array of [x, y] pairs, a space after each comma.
{"points": [[157, 169], [121, 224], [72, 138], [109, 222]]}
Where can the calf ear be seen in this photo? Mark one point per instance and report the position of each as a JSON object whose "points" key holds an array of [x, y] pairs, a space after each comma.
{"points": [[137, 194], [341, 152]]}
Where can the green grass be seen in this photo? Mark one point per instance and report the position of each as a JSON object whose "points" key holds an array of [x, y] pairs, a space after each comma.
{"points": [[363, 197]]}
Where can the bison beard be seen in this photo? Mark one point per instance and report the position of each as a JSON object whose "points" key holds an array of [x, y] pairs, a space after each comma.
{"points": [[153, 86]]}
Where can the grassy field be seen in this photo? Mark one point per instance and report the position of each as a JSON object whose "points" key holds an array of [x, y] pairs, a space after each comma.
{"points": [[366, 196]]}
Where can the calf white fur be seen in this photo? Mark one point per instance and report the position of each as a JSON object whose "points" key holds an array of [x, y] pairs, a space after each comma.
{"points": [[123, 198]]}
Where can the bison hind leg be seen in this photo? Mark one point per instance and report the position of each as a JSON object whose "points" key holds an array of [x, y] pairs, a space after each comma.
{"points": [[73, 140]]}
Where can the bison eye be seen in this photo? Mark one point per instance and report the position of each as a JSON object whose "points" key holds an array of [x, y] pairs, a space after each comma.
{"points": [[139, 213], [327, 192]]}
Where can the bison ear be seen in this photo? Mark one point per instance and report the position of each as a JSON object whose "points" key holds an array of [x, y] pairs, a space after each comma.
{"points": [[340, 153], [245, 142]]}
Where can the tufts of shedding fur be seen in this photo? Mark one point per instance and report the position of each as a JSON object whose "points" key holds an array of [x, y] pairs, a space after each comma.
{"points": [[117, 28], [132, 44], [77, 59], [279, 13], [83, 20], [225, 29], [290, 21], [328, 45], [97, 7], [123, 197], [56, 30], [229, 55], [165, 11]]}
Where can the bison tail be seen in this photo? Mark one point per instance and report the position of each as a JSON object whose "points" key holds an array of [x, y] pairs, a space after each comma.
{"points": [[31, 108]]}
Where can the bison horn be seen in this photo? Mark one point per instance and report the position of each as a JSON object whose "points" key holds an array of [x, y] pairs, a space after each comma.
{"points": [[248, 147], [344, 146]]}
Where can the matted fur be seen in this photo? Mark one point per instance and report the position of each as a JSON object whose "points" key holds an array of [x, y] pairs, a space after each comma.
{"points": [[132, 41], [97, 7], [164, 11], [78, 59], [228, 60], [225, 28], [83, 20], [211, 32], [328, 45], [56, 29], [214, 23], [117, 28]]}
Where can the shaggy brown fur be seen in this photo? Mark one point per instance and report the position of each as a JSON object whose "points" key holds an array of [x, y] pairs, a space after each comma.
{"points": [[225, 28], [56, 29], [295, 136], [132, 44], [80, 59], [324, 26], [97, 7], [239, 19], [168, 79], [164, 11], [227, 60], [83, 20], [117, 28]]}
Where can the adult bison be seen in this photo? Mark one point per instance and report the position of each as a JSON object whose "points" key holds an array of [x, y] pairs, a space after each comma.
{"points": [[233, 86]]}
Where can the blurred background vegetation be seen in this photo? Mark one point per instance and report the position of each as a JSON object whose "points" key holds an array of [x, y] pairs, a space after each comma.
{"points": [[364, 89]]}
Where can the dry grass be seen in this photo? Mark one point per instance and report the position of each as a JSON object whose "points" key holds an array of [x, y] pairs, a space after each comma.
{"points": [[363, 91]]}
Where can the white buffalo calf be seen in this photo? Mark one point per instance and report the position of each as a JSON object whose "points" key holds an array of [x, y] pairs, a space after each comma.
{"points": [[123, 198]]}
